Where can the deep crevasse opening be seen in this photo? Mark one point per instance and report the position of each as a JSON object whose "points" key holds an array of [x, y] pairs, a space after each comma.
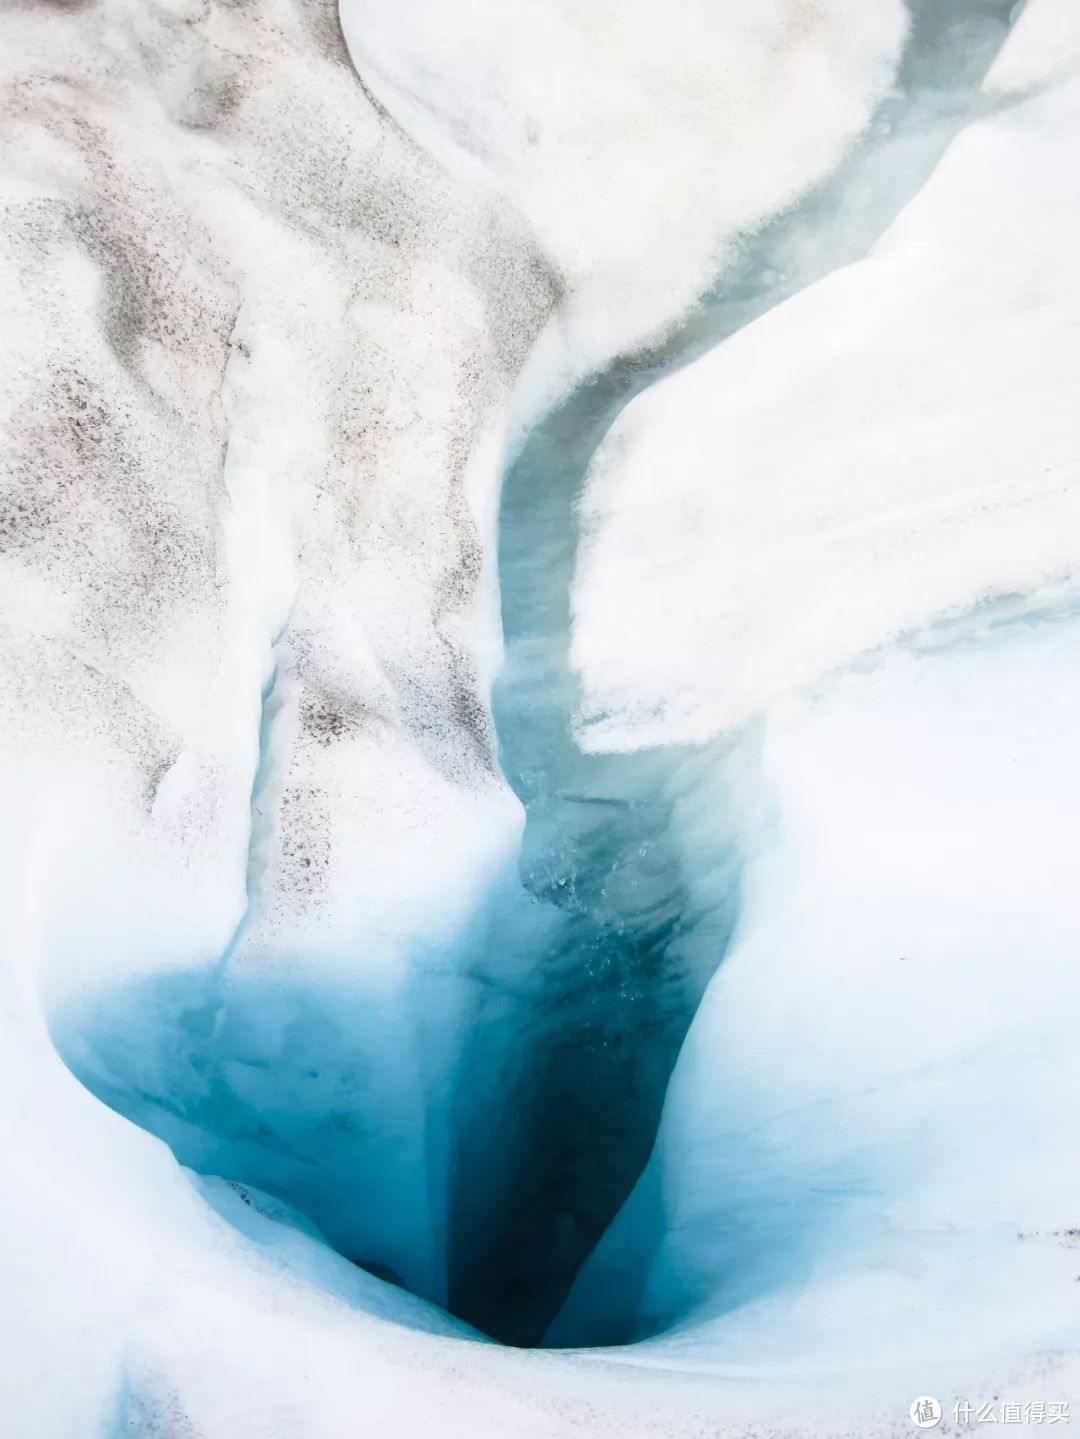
{"points": [[546, 1034]]}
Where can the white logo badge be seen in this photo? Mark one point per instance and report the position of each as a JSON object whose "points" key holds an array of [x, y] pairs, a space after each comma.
{"points": [[925, 1412]]}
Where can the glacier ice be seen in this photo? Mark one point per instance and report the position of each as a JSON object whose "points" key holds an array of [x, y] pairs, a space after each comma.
{"points": [[252, 1074], [891, 444], [864, 1161], [394, 937], [626, 144]]}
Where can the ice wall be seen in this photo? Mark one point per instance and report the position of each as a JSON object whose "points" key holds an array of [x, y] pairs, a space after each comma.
{"points": [[580, 981], [864, 1164], [262, 627], [258, 356], [593, 970], [252, 406], [256, 353], [862, 1168]]}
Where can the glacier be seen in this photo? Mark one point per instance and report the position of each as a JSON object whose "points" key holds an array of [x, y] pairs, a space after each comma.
{"points": [[895, 1177], [539, 581], [808, 560]]}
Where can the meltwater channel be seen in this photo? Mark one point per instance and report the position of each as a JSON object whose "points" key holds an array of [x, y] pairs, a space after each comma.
{"points": [[581, 978]]}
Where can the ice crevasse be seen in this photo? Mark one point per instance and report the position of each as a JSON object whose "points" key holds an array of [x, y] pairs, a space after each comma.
{"points": [[336, 797]]}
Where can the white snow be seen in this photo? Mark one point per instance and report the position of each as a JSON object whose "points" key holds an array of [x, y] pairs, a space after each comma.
{"points": [[865, 1175], [896, 443], [865, 1166], [259, 351], [638, 151], [252, 410]]}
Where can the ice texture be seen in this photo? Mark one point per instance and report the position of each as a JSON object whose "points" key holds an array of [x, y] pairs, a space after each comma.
{"points": [[864, 1166], [867, 504], [893, 443], [268, 887], [639, 152], [253, 404]]}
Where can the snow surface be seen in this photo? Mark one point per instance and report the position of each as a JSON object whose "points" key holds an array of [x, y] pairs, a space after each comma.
{"points": [[864, 1165], [259, 356], [865, 1160], [638, 152], [252, 405], [895, 443]]}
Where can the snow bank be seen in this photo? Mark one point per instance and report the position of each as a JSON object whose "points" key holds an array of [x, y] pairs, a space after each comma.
{"points": [[864, 1172], [253, 392], [893, 444], [864, 1167], [257, 351], [638, 147], [252, 402]]}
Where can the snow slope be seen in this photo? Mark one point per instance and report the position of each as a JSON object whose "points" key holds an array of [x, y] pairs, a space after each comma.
{"points": [[252, 406], [259, 354], [639, 152], [893, 444], [868, 502]]}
